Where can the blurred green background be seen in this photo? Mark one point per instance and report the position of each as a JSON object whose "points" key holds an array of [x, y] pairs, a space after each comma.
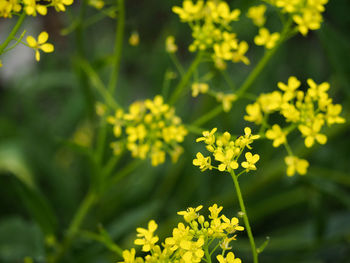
{"points": [[46, 108]]}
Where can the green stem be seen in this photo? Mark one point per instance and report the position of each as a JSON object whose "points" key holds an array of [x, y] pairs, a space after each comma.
{"points": [[251, 78], [76, 222], [114, 76], [12, 33], [185, 79], [118, 47], [207, 254], [131, 166], [245, 217]]}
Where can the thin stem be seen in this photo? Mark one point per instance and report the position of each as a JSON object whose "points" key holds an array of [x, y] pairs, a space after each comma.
{"points": [[131, 166], [185, 79], [12, 33], [251, 78], [75, 224], [18, 41], [113, 81], [177, 64], [207, 255], [98, 84], [118, 47], [245, 217]]}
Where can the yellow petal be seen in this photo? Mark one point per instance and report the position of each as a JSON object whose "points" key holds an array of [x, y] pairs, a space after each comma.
{"points": [[47, 48], [37, 55], [31, 42], [43, 37]]}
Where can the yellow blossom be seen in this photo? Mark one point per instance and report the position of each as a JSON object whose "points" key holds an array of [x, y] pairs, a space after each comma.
{"points": [[296, 165], [170, 45], [146, 238], [31, 8], [308, 20], [227, 160], [251, 159], [190, 214], [277, 135], [129, 257], [204, 163], [254, 113], [290, 88], [60, 5], [134, 39], [199, 87], [226, 100], [189, 10], [208, 137], [230, 258], [98, 4], [266, 39], [332, 114], [40, 44], [311, 133], [257, 14], [239, 55]]}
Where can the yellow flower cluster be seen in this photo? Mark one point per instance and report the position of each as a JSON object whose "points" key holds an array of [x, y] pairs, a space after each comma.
{"points": [[227, 151], [31, 7], [226, 99], [189, 240], [152, 129], [308, 111], [210, 23], [307, 14]]}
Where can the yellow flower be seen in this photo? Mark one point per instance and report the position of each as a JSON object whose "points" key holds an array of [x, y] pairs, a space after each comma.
{"points": [[226, 100], [170, 45], [266, 39], [311, 133], [134, 39], [98, 4], [231, 226], [190, 214], [308, 20], [129, 257], [40, 44], [257, 14], [254, 113], [230, 258], [317, 91], [189, 10], [277, 135], [249, 164], [332, 115], [247, 139], [290, 88], [220, 12], [239, 55], [296, 165], [317, 4], [194, 252], [7, 8], [31, 7], [146, 238], [208, 137], [198, 87], [204, 163], [227, 160], [60, 5], [214, 211]]}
